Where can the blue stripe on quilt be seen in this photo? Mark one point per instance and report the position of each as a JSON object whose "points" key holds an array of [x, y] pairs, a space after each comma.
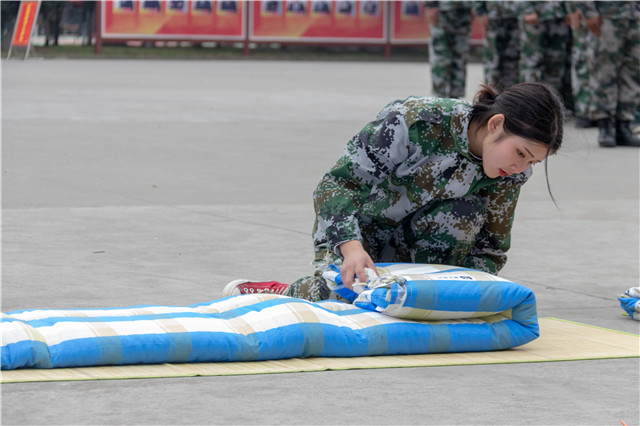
{"points": [[463, 296], [27, 353], [488, 337]]}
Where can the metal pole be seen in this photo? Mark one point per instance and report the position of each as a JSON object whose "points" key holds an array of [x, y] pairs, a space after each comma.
{"points": [[387, 45], [26, 56], [247, 22], [97, 49]]}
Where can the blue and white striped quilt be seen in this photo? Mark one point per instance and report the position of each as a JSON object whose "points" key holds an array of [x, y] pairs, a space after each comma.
{"points": [[630, 302], [411, 309]]}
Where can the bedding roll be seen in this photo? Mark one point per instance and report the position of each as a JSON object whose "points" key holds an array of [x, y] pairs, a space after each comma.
{"points": [[409, 309]]}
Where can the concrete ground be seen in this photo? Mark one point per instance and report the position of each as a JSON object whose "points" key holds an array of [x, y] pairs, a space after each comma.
{"points": [[150, 182]]}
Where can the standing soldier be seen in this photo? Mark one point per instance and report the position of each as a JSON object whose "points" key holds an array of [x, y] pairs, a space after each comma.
{"points": [[501, 50], [450, 23], [579, 66], [615, 71], [544, 38]]}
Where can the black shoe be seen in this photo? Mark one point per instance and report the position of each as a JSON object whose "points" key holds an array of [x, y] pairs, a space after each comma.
{"points": [[624, 135], [607, 136], [584, 123]]}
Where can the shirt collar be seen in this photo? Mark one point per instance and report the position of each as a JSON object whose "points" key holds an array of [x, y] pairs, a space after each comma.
{"points": [[460, 120]]}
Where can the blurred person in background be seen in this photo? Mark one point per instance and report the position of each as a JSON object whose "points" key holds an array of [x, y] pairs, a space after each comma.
{"points": [[579, 66], [501, 50], [450, 30], [614, 77], [544, 43]]}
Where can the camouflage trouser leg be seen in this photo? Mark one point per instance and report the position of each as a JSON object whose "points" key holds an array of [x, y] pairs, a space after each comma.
{"points": [[314, 288], [501, 53], [615, 71], [448, 52], [543, 51], [532, 55], [580, 72], [566, 90]]}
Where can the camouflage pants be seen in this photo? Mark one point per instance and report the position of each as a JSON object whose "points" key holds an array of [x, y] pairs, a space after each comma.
{"points": [[580, 71], [501, 52], [543, 52], [441, 232], [448, 52], [615, 70]]}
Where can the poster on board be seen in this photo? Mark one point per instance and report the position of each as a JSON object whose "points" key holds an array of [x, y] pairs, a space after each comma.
{"points": [[409, 24], [162, 20], [343, 21]]}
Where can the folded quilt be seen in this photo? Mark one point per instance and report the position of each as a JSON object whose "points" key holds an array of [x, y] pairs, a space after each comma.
{"points": [[409, 309], [630, 302]]}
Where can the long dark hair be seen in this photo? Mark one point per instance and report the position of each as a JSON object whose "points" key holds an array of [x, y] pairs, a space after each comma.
{"points": [[533, 111]]}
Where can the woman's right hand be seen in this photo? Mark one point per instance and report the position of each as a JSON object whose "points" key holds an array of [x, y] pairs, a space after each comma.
{"points": [[532, 19], [432, 16], [355, 259], [594, 24]]}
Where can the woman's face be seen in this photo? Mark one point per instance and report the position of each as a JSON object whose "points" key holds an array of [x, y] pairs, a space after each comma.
{"points": [[505, 154]]}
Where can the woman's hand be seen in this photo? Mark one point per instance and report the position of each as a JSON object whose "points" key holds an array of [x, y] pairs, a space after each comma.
{"points": [[355, 259], [432, 15], [532, 19], [594, 24], [573, 19], [484, 23]]}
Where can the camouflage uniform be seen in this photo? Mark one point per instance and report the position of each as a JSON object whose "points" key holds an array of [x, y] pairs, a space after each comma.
{"points": [[580, 69], [543, 48], [501, 50], [410, 190], [449, 48], [615, 76]]}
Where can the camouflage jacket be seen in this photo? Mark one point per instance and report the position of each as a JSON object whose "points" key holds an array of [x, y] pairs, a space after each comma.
{"points": [[610, 9], [497, 9], [416, 152], [546, 10], [450, 6]]}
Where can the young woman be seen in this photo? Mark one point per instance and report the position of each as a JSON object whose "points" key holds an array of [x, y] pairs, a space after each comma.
{"points": [[431, 180]]}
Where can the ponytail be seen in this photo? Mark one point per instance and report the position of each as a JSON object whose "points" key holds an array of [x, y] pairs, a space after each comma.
{"points": [[485, 96]]}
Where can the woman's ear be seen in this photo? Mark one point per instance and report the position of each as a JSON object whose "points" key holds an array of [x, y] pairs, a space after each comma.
{"points": [[495, 123]]}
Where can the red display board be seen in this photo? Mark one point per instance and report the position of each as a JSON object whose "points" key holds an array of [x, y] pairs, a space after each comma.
{"points": [[409, 23], [348, 22], [319, 21], [201, 20], [24, 24]]}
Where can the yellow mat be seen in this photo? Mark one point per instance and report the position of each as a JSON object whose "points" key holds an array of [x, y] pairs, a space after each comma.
{"points": [[559, 341]]}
